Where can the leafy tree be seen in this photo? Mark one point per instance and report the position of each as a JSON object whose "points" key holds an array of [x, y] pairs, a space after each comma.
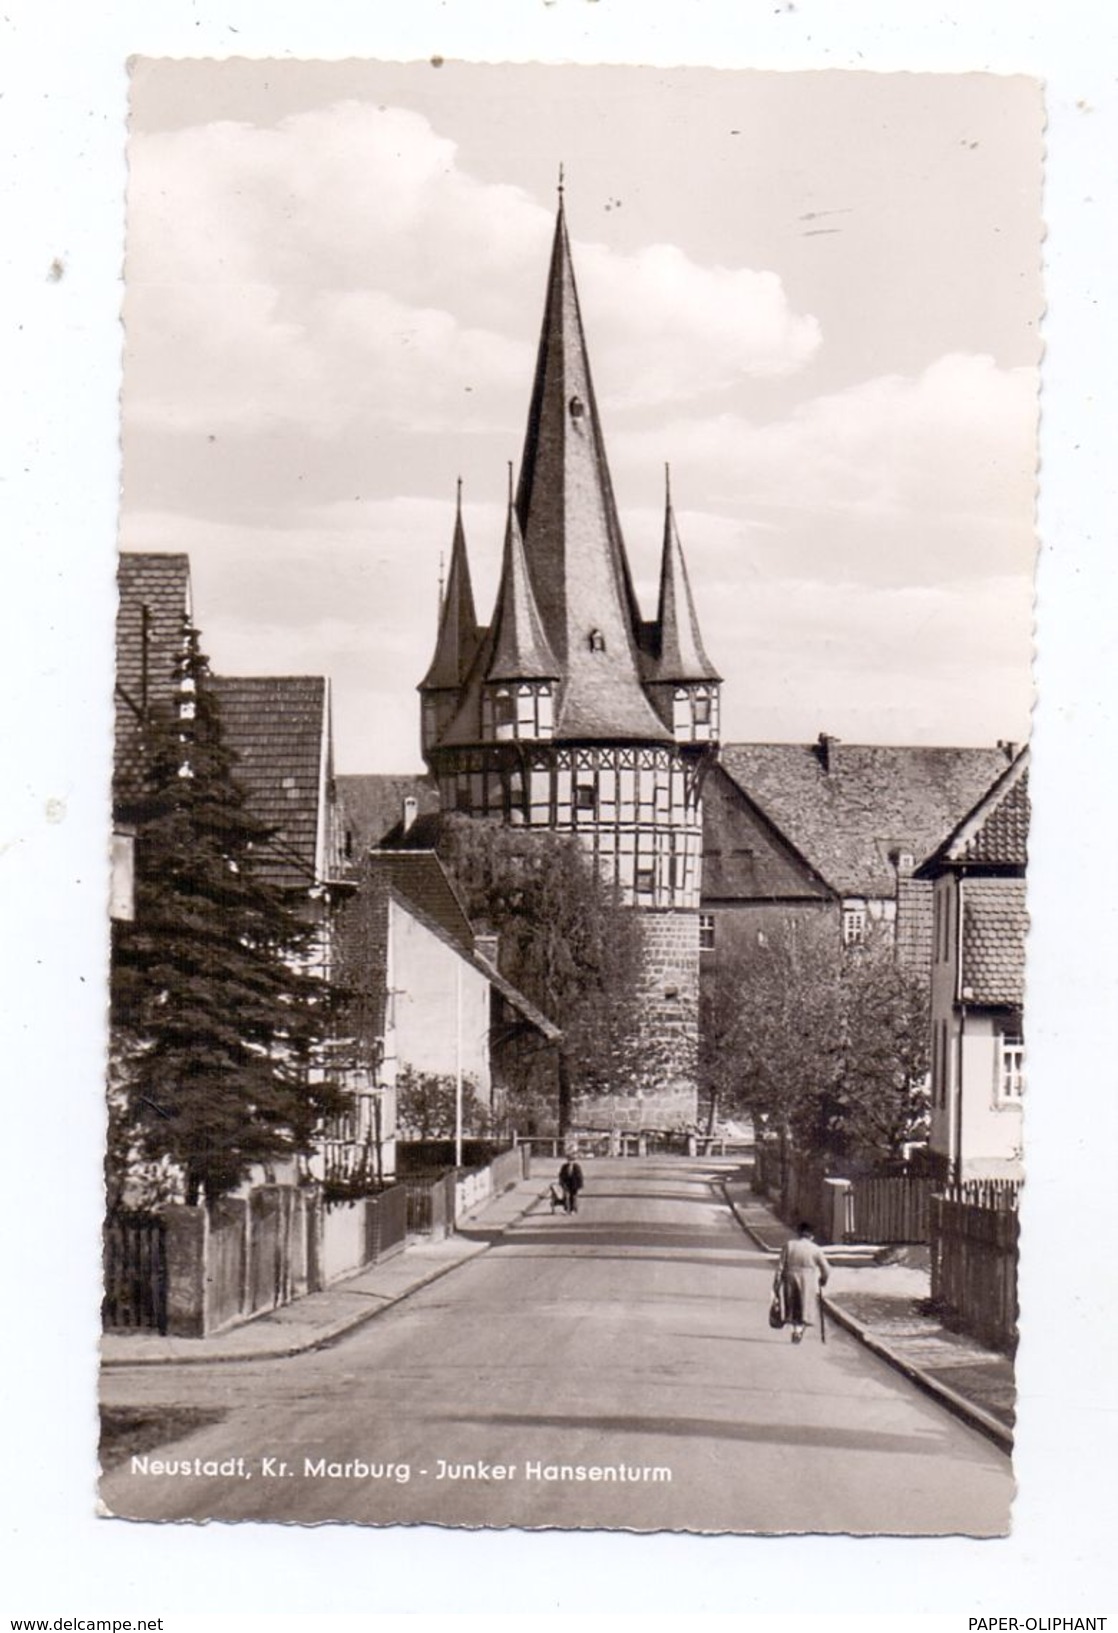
{"points": [[827, 1047], [426, 1106], [566, 941], [216, 1011]]}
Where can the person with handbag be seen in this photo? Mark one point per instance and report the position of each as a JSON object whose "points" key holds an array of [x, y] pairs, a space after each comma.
{"points": [[803, 1270]]}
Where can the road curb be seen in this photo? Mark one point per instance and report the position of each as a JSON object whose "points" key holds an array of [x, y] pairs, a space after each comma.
{"points": [[324, 1339], [757, 1241], [975, 1416]]}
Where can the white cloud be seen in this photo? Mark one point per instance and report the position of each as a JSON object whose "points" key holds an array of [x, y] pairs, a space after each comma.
{"points": [[673, 329], [341, 265], [957, 439]]}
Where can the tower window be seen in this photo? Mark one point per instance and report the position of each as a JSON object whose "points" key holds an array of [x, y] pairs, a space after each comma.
{"points": [[706, 932], [702, 711], [575, 408], [504, 709], [596, 641]]}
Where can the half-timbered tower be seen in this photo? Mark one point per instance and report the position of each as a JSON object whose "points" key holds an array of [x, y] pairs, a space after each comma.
{"points": [[569, 711]]}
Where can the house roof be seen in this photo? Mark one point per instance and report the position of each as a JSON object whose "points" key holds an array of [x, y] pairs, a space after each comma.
{"points": [[153, 613], [420, 881], [995, 833], [420, 878], [373, 805], [514, 997], [995, 926], [278, 727], [847, 807], [745, 856]]}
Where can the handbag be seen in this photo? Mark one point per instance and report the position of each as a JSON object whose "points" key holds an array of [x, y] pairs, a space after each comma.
{"points": [[776, 1311]]}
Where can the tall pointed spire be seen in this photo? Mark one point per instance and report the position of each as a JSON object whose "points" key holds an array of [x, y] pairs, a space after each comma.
{"points": [[681, 654], [458, 631], [572, 539], [520, 647]]}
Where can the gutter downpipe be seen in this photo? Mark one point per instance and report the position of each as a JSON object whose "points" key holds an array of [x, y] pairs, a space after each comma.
{"points": [[957, 1097], [458, 1063]]}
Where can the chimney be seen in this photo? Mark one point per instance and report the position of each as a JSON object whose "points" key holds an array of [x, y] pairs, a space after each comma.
{"points": [[825, 748], [411, 811], [488, 945], [904, 863]]}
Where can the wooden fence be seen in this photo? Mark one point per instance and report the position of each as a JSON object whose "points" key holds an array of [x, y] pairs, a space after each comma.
{"points": [[892, 1208], [135, 1260], [974, 1236], [386, 1223], [430, 1204]]}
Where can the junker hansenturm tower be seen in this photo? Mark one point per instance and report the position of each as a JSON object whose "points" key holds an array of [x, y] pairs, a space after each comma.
{"points": [[570, 712]]}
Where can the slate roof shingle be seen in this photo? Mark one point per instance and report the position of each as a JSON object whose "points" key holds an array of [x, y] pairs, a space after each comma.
{"points": [[846, 816], [421, 880], [995, 925], [276, 725], [423, 884], [161, 584], [373, 805]]}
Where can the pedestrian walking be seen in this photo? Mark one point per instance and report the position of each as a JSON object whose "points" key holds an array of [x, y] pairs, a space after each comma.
{"points": [[570, 1183], [803, 1270]]}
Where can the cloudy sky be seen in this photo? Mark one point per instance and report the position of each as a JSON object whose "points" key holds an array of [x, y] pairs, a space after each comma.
{"points": [[817, 295]]}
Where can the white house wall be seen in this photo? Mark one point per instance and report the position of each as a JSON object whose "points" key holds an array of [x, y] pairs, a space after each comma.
{"points": [[438, 1002]]}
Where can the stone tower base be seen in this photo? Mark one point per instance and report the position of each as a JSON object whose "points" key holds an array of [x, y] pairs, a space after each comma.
{"points": [[670, 1035]]}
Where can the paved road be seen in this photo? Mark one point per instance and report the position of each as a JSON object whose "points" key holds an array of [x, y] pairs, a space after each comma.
{"points": [[630, 1340]]}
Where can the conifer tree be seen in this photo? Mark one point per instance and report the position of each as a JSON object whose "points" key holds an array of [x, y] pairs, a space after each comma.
{"points": [[213, 1003]]}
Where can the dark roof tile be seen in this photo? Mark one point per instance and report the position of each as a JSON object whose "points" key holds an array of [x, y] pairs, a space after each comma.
{"points": [[278, 728], [995, 926], [154, 601], [848, 808]]}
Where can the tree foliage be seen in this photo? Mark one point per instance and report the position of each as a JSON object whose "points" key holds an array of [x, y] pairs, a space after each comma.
{"points": [[826, 1045], [426, 1106], [214, 1007], [566, 941]]}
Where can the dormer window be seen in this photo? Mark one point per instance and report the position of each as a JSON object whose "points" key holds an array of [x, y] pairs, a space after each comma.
{"points": [[596, 641]]}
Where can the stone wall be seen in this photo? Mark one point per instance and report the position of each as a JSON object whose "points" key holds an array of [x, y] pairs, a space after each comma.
{"points": [[670, 997]]}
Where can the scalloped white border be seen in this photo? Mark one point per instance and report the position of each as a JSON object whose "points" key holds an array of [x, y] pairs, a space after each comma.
{"points": [[62, 119]]}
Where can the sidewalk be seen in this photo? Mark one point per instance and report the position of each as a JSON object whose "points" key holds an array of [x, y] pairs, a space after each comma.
{"points": [[885, 1307], [319, 1318]]}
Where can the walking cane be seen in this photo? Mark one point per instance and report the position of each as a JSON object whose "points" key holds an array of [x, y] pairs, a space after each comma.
{"points": [[822, 1320]]}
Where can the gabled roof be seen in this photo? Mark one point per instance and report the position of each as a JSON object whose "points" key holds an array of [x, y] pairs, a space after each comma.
{"points": [[153, 613], [995, 927], [516, 999], [680, 655], [421, 883], [572, 538], [373, 805], [279, 729], [995, 834], [458, 630], [420, 878], [747, 858], [847, 808]]}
